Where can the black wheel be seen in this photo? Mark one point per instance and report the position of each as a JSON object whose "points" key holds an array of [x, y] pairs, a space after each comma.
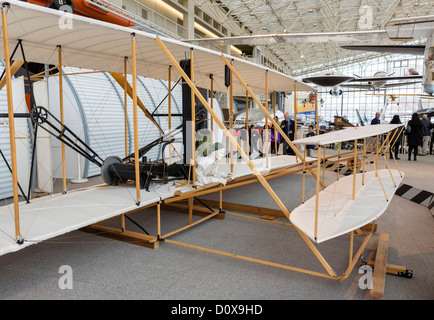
{"points": [[105, 169]]}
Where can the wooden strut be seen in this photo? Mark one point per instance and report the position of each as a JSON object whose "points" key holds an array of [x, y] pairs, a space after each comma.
{"points": [[295, 110], [8, 76], [393, 153], [193, 119], [259, 176], [224, 129], [330, 273], [266, 121], [125, 107], [120, 79], [16, 65], [376, 164], [61, 115], [136, 125], [169, 103], [267, 115]]}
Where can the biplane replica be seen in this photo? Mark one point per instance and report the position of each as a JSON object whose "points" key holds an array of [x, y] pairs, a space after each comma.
{"points": [[348, 206]]}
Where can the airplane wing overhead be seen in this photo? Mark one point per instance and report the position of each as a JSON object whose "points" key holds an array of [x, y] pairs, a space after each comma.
{"points": [[410, 28], [405, 49], [391, 85], [98, 45], [269, 39], [356, 86], [410, 77]]}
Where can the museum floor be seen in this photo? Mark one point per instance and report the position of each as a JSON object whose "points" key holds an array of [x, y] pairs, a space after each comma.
{"points": [[109, 269]]}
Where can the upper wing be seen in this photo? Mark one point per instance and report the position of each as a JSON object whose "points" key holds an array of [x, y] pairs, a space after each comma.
{"points": [[367, 79], [269, 39], [405, 49]]}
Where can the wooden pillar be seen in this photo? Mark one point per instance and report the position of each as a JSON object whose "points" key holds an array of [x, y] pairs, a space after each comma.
{"points": [[231, 117], [304, 173], [193, 119], [354, 169], [318, 168], [190, 209], [62, 118], [274, 127], [125, 107], [212, 107], [363, 161], [295, 110], [125, 125], [158, 220], [169, 102], [8, 76], [351, 248], [247, 124], [266, 119], [376, 159], [316, 113], [136, 124]]}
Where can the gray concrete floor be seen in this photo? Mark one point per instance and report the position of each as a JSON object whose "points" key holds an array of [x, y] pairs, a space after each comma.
{"points": [[110, 269]]}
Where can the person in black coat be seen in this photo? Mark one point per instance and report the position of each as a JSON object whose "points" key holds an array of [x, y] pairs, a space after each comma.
{"points": [[414, 135], [394, 146], [288, 128], [376, 120]]}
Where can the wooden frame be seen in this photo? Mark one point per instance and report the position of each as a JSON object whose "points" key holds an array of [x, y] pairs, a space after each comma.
{"points": [[303, 166], [299, 167], [8, 76]]}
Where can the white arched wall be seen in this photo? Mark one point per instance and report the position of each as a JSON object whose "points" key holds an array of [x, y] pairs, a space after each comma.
{"points": [[94, 110]]}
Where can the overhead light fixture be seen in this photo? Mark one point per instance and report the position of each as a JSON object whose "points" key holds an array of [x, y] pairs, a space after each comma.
{"points": [[196, 25]]}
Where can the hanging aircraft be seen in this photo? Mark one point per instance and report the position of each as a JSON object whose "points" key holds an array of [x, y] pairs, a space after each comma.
{"points": [[409, 29], [380, 80], [405, 29]]}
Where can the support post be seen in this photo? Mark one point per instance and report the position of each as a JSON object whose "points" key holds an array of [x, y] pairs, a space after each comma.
{"points": [[304, 173], [318, 168], [231, 117], [351, 248], [363, 161], [158, 220], [275, 131], [125, 107], [393, 153], [193, 118], [247, 125], [295, 110], [266, 121], [212, 106], [62, 118], [169, 102], [136, 124], [316, 113], [354, 169], [8, 76]]}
